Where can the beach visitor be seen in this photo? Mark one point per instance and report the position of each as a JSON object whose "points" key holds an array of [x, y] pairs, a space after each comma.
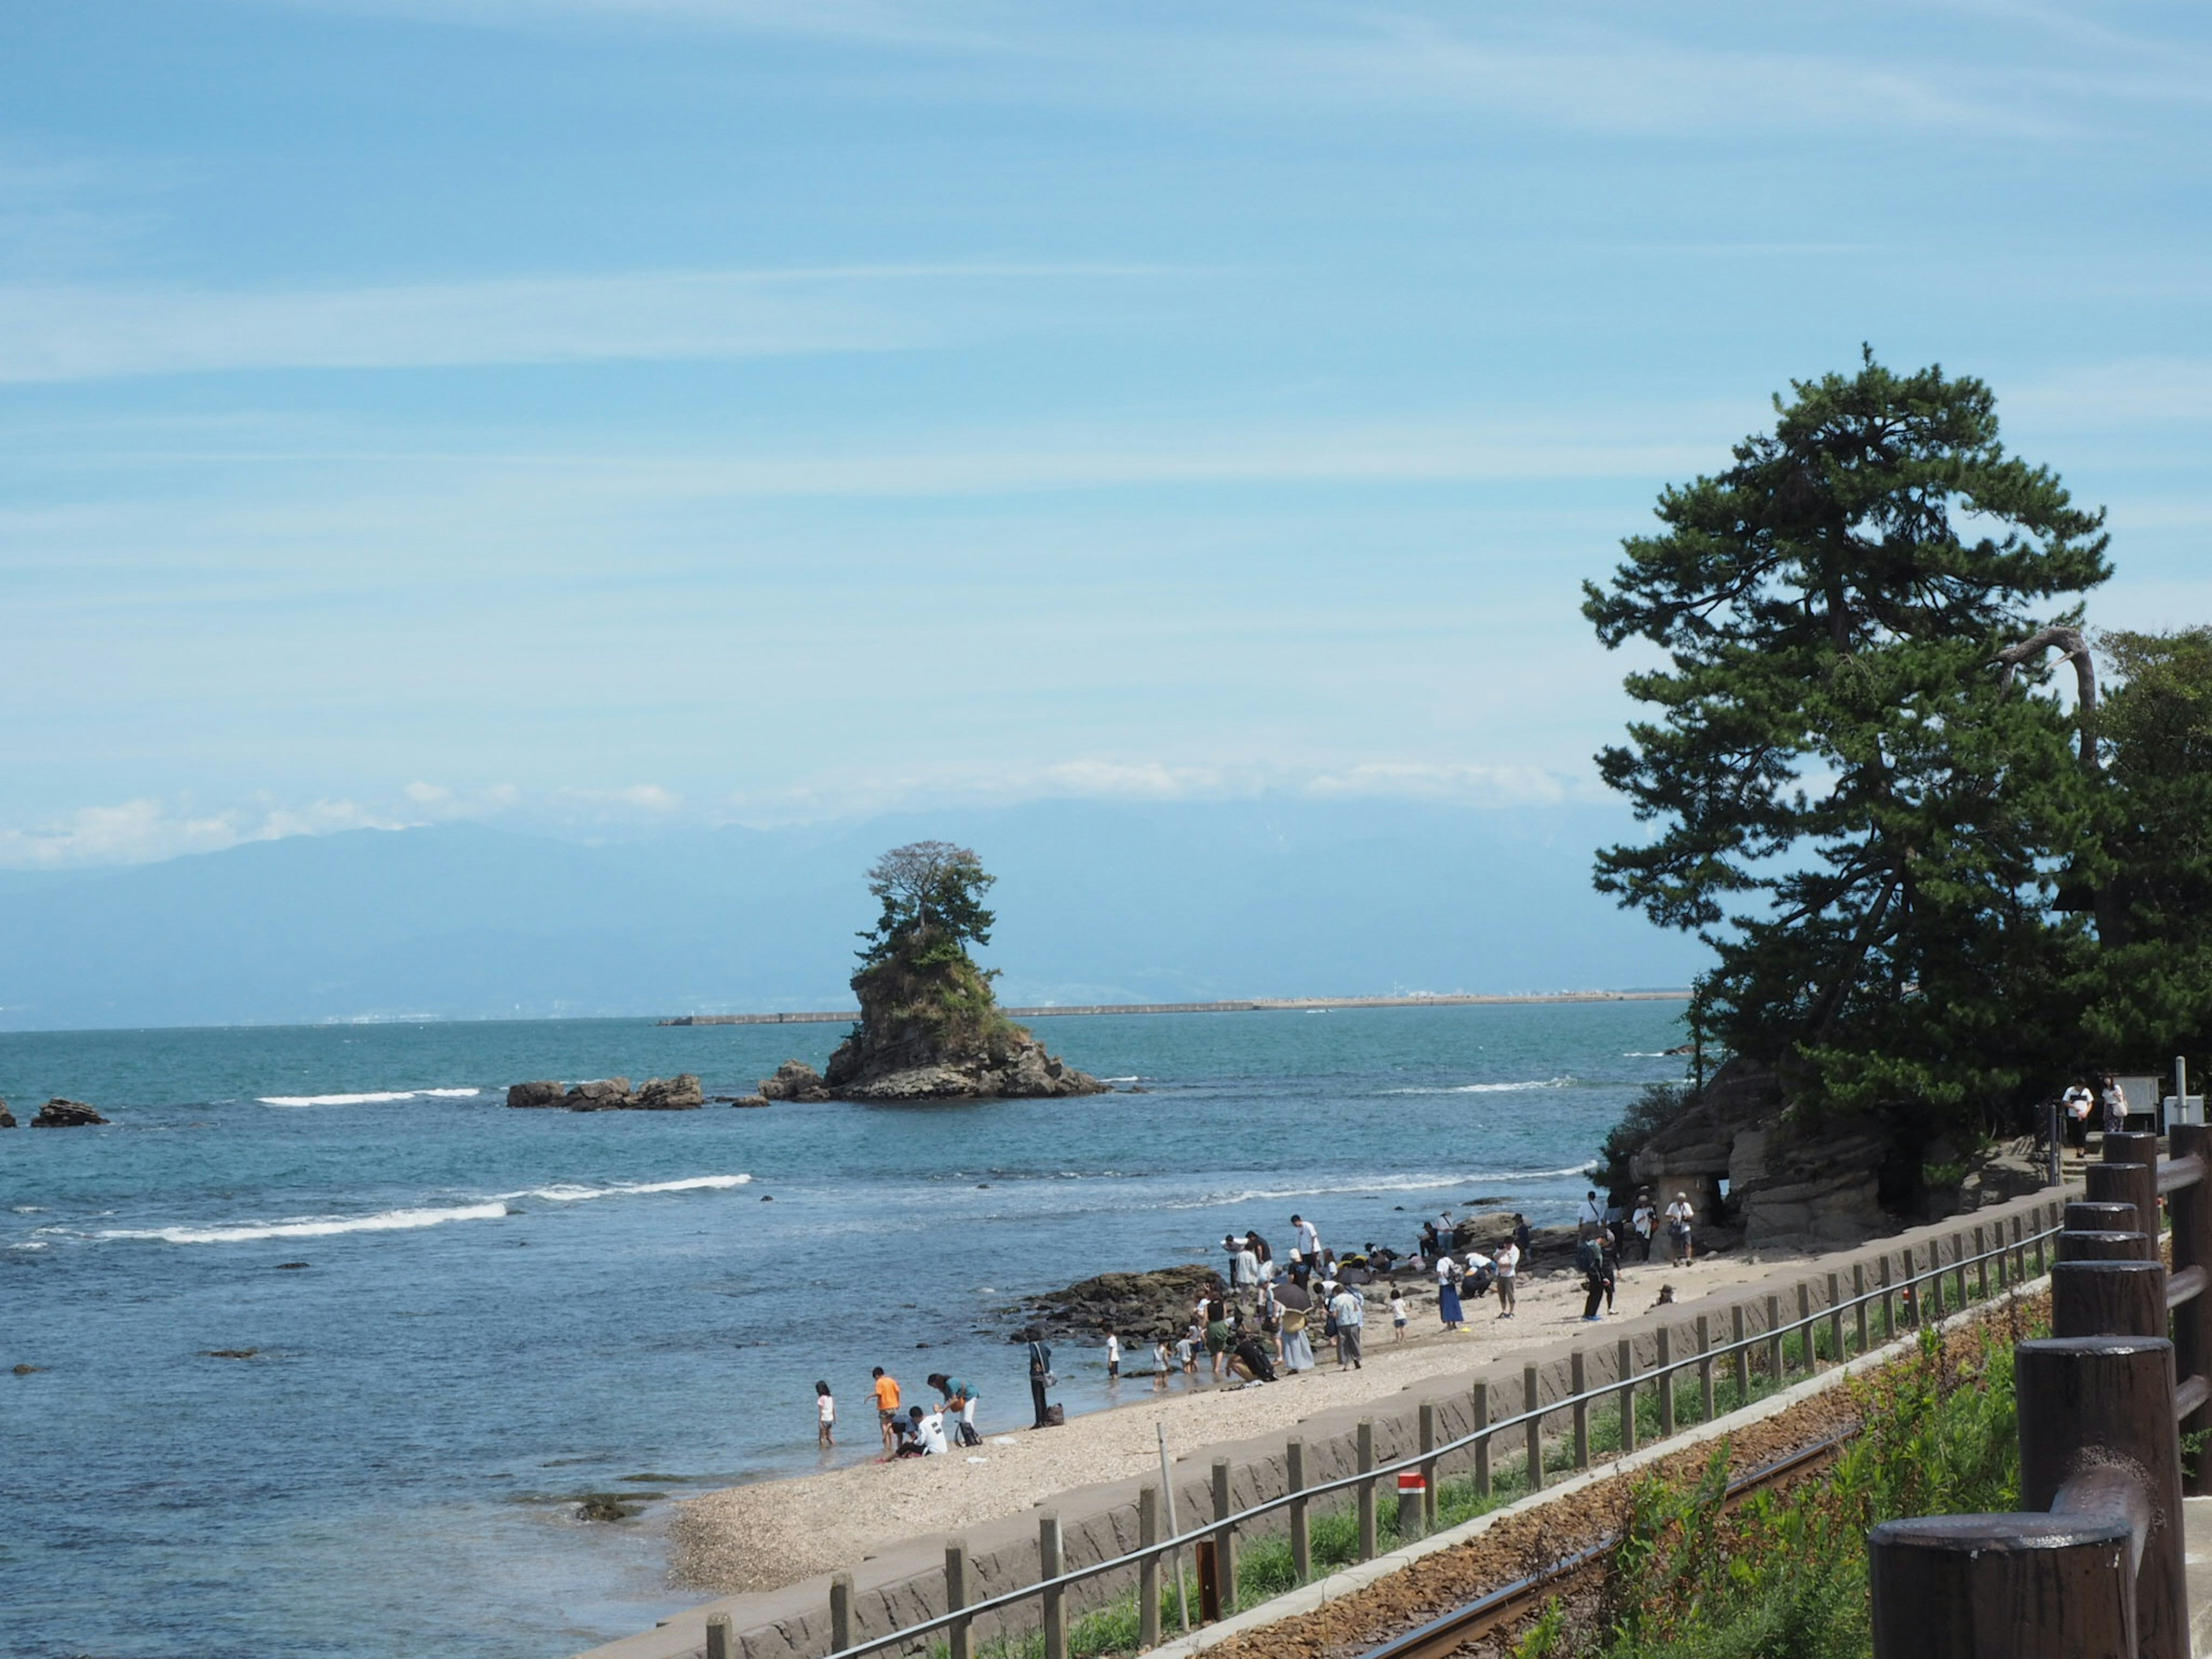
{"points": [[1679, 1217], [1592, 1214], [1590, 1261], [1642, 1224], [1521, 1234], [927, 1432], [1610, 1264], [1397, 1315], [1509, 1273], [1249, 1275], [1113, 1355], [1309, 1240], [2076, 1104], [2116, 1106], [1447, 1306], [1475, 1283], [1186, 1350], [1249, 1360], [887, 1407], [825, 1416], [1040, 1378], [1296, 1314], [1258, 1246], [960, 1405], [1345, 1308], [1163, 1361], [1219, 1335]]}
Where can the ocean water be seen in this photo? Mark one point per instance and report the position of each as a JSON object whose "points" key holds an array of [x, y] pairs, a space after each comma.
{"points": [[500, 1309]]}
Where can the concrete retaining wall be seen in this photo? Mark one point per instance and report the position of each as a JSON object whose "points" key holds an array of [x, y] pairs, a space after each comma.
{"points": [[905, 1584]]}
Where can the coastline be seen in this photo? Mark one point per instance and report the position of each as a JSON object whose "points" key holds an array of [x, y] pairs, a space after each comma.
{"points": [[1238, 1005], [766, 1534]]}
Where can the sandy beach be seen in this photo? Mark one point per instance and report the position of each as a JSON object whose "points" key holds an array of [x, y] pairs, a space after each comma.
{"points": [[774, 1533]]}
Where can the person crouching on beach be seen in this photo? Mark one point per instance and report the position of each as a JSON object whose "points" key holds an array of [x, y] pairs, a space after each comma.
{"points": [[825, 1416], [887, 1409]]}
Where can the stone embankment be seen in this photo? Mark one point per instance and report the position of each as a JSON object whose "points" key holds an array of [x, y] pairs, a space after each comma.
{"points": [[904, 1583]]}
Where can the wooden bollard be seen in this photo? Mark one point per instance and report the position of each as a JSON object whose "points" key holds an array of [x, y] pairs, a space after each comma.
{"points": [[1577, 1383], [2189, 1208], [1225, 1535], [1050, 1565], [1294, 1466], [2086, 1216], [1363, 1442], [718, 1643], [2001, 1587], [2103, 1247], [958, 1634], [1532, 1394], [2108, 1298], [2091, 1402]]}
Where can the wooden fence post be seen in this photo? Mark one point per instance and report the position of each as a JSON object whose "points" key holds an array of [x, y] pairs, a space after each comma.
{"points": [[1532, 1394], [1577, 1383], [2108, 1298], [1294, 1458], [2111, 1396], [957, 1635], [1364, 1441], [1054, 1600], [1428, 1423], [841, 1612], [1481, 1409], [1705, 1366], [1888, 1299], [2191, 1210], [1739, 1356], [1225, 1535]]}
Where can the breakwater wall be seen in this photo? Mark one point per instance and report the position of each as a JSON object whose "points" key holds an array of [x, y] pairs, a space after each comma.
{"points": [[905, 1584], [1242, 1005]]}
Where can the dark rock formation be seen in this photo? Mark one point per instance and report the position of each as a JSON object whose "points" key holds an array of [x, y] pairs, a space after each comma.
{"points": [[608, 1094], [900, 1056], [794, 1080], [28, 1370], [60, 1114], [749, 1100], [613, 1505], [536, 1094], [680, 1093], [7, 1117], [1137, 1305], [229, 1353]]}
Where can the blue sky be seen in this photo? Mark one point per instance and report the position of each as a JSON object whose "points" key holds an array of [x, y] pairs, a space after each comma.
{"points": [[598, 415]]}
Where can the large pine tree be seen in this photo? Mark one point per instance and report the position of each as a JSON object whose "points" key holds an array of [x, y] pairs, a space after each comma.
{"points": [[1855, 805]]}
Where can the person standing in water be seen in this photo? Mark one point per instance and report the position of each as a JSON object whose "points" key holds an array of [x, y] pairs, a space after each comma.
{"points": [[825, 1416]]}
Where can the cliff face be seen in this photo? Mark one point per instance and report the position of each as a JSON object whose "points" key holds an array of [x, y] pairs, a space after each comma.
{"points": [[933, 1031]]}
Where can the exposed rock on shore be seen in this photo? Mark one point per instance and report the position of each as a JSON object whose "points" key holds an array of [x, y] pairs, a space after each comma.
{"points": [[794, 1080], [1136, 1305], [680, 1093], [60, 1114], [1013, 1066]]}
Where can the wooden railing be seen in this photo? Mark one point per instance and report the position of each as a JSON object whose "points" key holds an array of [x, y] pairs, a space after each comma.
{"points": [[2096, 1567]]}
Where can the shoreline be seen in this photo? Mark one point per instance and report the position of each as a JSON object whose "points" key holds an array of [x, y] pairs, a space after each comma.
{"points": [[766, 1534], [1238, 1005]]}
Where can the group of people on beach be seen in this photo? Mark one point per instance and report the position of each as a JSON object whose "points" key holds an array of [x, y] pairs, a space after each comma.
{"points": [[1263, 1323]]}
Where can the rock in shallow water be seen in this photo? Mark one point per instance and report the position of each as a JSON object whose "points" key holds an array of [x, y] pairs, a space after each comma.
{"points": [[60, 1114]]}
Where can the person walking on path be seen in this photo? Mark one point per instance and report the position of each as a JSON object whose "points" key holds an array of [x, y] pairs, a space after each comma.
{"points": [[825, 1416], [1509, 1274], [1642, 1223], [2116, 1106], [2076, 1104], [1679, 1218], [1350, 1317], [1040, 1378], [887, 1407]]}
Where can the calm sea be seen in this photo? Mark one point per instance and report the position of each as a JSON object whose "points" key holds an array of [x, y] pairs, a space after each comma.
{"points": [[500, 1309]]}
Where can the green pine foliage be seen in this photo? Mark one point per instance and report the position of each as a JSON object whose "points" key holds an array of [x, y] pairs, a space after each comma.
{"points": [[1849, 805]]}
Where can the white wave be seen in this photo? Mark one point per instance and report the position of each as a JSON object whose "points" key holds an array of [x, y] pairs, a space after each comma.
{"points": [[323, 1226], [34, 1244], [1486, 1088], [575, 1192], [27, 1209], [1406, 1183], [1650, 1053], [1132, 1079], [379, 1098]]}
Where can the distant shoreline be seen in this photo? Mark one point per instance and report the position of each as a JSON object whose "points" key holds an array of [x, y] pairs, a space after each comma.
{"points": [[1243, 1006]]}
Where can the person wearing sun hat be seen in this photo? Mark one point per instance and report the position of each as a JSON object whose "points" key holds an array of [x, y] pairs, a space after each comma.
{"points": [[1680, 1214]]}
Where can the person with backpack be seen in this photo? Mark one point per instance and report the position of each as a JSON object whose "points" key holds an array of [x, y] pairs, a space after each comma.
{"points": [[1590, 1261], [1679, 1217]]}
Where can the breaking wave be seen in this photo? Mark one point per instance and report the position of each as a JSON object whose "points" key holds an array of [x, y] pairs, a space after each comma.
{"points": [[379, 1098], [1486, 1088]]}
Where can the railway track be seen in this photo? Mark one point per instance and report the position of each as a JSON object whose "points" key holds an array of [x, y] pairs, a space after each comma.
{"points": [[1501, 1609]]}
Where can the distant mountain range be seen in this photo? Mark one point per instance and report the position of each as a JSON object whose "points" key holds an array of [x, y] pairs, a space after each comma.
{"points": [[1097, 902]]}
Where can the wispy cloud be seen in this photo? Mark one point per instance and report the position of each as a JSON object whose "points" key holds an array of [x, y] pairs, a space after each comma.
{"points": [[141, 831], [56, 331]]}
